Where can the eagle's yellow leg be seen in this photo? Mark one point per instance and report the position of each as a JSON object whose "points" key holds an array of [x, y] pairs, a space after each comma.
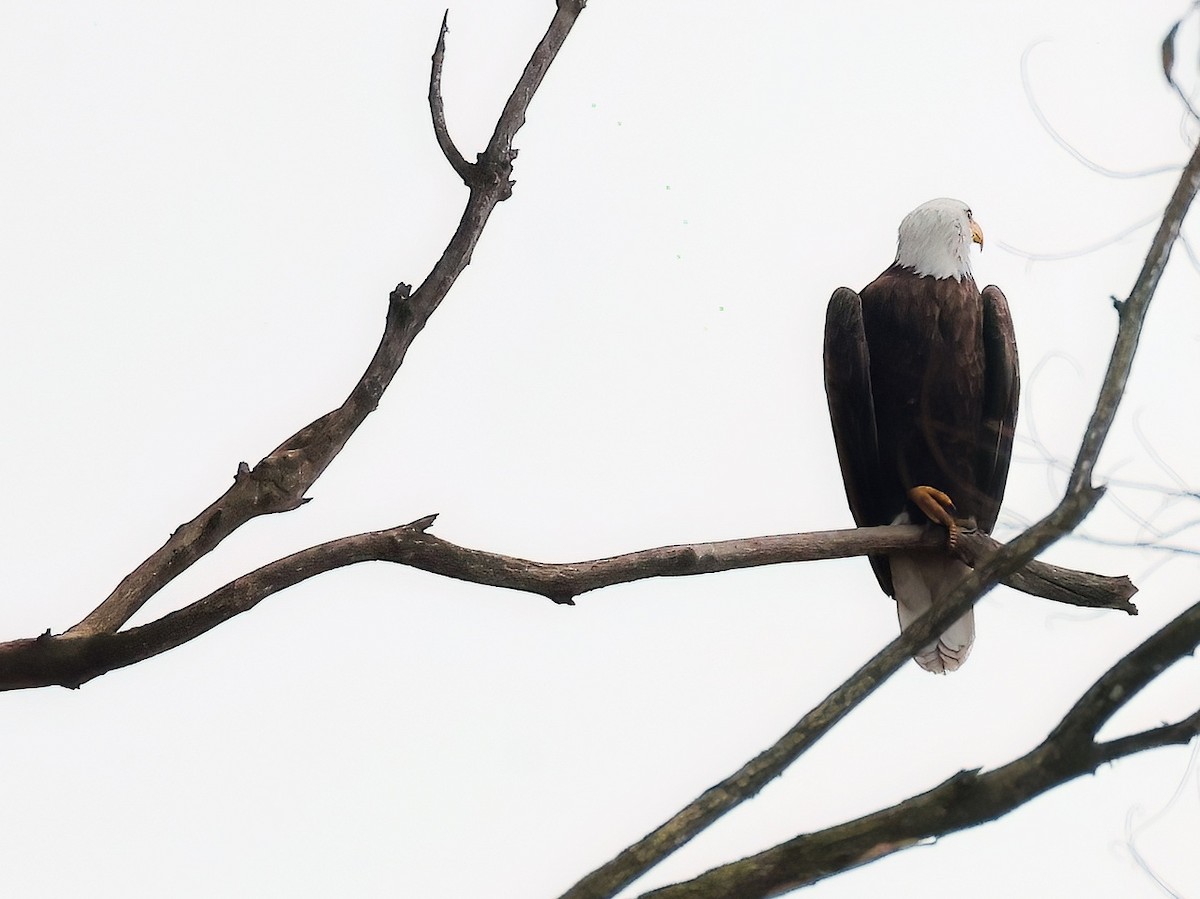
{"points": [[938, 508]]}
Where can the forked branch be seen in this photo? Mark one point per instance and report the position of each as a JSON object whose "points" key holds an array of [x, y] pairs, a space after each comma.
{"points": [[970, 797], [279, 482]]}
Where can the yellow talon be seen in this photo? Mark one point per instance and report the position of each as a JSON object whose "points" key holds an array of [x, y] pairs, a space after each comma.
{"points": [[938, 508]]}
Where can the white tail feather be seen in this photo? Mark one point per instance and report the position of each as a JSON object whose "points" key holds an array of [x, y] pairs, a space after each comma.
{"points": [[922, 579]]}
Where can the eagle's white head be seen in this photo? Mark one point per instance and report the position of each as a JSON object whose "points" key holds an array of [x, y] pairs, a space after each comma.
{"points": [[936, 237]]}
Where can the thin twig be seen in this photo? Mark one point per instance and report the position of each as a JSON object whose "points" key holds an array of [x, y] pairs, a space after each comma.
{"points": [[1080, 251], [1168, 64], [1044, 121], [1132, 316], [438, 110], [1156, 546]]}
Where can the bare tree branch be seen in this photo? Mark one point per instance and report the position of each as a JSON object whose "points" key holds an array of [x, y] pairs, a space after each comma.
{"points": [[1168, 64], [1077, 588], [1132, 314], [1078, 500], [73, 659], [438, 110], [278, 483], [968, 798]]}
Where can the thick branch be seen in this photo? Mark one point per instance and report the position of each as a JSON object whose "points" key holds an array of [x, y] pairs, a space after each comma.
{"points": [[969, 798], [72, 659], [278, 483]]}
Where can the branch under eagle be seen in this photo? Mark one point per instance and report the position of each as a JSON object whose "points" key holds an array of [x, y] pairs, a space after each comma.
{"points": [[71, 660]]}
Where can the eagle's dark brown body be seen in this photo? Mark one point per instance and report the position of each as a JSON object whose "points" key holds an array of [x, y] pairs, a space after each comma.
{"points": [[921, 376]]}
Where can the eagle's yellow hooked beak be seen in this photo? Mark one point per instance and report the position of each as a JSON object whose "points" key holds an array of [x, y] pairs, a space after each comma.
{"points": [[976, 233]]}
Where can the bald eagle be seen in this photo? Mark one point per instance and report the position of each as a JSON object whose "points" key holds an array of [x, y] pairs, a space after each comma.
{"points": [[921, 376]]}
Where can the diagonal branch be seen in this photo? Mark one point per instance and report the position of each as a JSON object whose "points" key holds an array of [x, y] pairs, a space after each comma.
{"points": [[278, 483], [969, 798], [72, 660], [1132, 314], [1079, 499]]}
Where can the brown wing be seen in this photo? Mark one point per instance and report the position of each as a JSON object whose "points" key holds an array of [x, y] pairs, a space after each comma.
{"points": [[1002, 385], [852, 412]]}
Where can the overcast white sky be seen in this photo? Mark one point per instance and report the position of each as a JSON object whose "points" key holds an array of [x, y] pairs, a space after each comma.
{"points": [[204, 208]]}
